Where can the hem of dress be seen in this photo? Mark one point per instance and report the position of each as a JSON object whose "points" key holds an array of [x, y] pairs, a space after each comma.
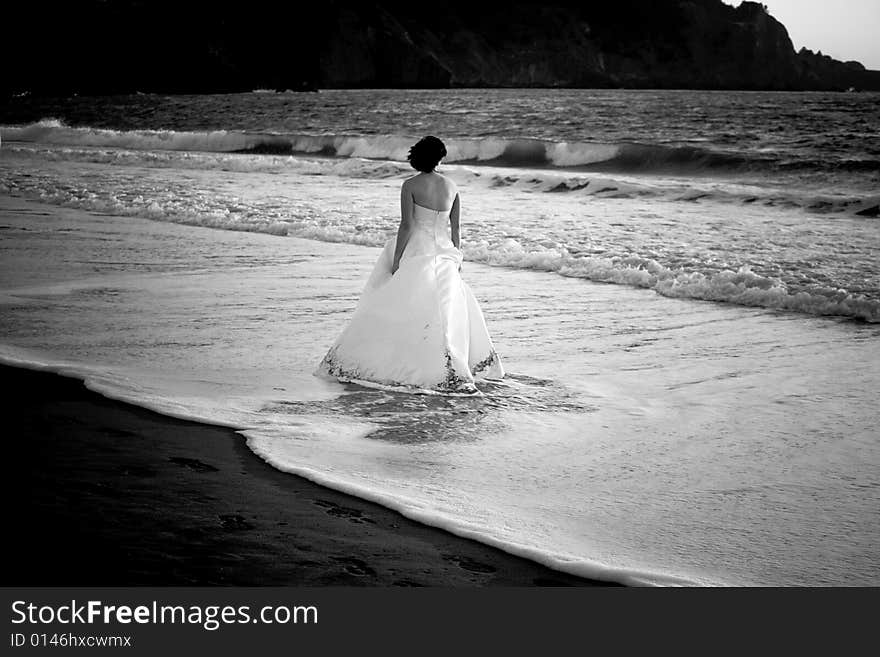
{"points": [[408, 389]]}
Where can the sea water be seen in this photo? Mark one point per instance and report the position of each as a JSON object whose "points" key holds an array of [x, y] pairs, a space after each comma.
{"points": [[643, 434]]}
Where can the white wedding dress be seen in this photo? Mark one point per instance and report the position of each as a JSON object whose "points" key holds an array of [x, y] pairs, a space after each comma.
{"points": [[421, 329]]}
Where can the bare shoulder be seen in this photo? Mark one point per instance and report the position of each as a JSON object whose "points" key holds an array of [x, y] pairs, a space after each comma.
{"points": [[449, 183]]}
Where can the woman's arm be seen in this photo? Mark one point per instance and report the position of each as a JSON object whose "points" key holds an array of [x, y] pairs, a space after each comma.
{"points": [[403, 232], [454, 216]]}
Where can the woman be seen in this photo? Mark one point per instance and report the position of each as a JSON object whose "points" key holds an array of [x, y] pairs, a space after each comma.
{"points": [[417, 325]]}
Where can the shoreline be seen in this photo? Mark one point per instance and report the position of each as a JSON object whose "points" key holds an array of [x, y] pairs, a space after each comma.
{"points": [[112, 494]]}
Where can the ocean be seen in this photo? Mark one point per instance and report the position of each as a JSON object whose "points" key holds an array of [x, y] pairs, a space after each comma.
{"points": [[684, 288]]}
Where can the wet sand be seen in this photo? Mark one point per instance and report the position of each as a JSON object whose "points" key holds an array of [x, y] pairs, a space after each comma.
{"points": [[102, 493]]}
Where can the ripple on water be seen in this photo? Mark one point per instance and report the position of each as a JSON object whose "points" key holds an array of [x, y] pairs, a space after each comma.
{"points": [[406, 418]]}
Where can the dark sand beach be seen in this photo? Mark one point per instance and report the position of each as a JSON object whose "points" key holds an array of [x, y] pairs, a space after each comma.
{"points": [[104, 493]]}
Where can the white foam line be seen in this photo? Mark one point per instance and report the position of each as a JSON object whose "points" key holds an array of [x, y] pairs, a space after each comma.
{"points": [[564, 563]]}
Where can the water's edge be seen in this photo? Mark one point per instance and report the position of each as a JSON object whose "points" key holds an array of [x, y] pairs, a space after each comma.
{"points": [[571, 565]]}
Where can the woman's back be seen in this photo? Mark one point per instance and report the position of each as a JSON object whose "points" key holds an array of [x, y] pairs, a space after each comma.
{"points": [[432, 191]]}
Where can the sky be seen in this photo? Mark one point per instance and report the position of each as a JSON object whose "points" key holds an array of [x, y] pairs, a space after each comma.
{"points": [[844, 29]]}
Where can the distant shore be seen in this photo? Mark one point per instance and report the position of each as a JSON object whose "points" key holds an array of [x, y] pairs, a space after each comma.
{"points": [[25, 93], [103, 493]]}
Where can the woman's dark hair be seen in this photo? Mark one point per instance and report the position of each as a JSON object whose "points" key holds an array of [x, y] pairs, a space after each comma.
{"points": [[425, 155]]}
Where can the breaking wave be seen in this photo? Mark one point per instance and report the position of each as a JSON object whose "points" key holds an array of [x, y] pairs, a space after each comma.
{"points": [[741, 287], [593, 156], [381, 157], [548, 179]]}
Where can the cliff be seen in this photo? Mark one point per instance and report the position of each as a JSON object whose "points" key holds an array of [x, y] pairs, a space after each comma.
{"points": [[118, 46], [625, 43]]}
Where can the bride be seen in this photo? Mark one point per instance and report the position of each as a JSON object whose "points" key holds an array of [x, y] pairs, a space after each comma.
{"points": [[417, 326]]}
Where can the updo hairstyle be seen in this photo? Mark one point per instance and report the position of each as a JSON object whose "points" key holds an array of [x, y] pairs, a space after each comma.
{"points": [[426, 154]]}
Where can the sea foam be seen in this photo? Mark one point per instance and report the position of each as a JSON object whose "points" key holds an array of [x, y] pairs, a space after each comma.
{"points": [[267, 443], [500, 151], [550, 180], [631, 265]]}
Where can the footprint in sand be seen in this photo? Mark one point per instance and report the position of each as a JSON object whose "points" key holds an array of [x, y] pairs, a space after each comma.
{"points": [[355, 566], [344, 512], [233, 522], [469, 564], [405, 582], [193, 464]]}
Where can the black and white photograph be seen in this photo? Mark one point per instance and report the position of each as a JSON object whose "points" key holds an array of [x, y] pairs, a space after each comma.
{"points": [[441, 294]]}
